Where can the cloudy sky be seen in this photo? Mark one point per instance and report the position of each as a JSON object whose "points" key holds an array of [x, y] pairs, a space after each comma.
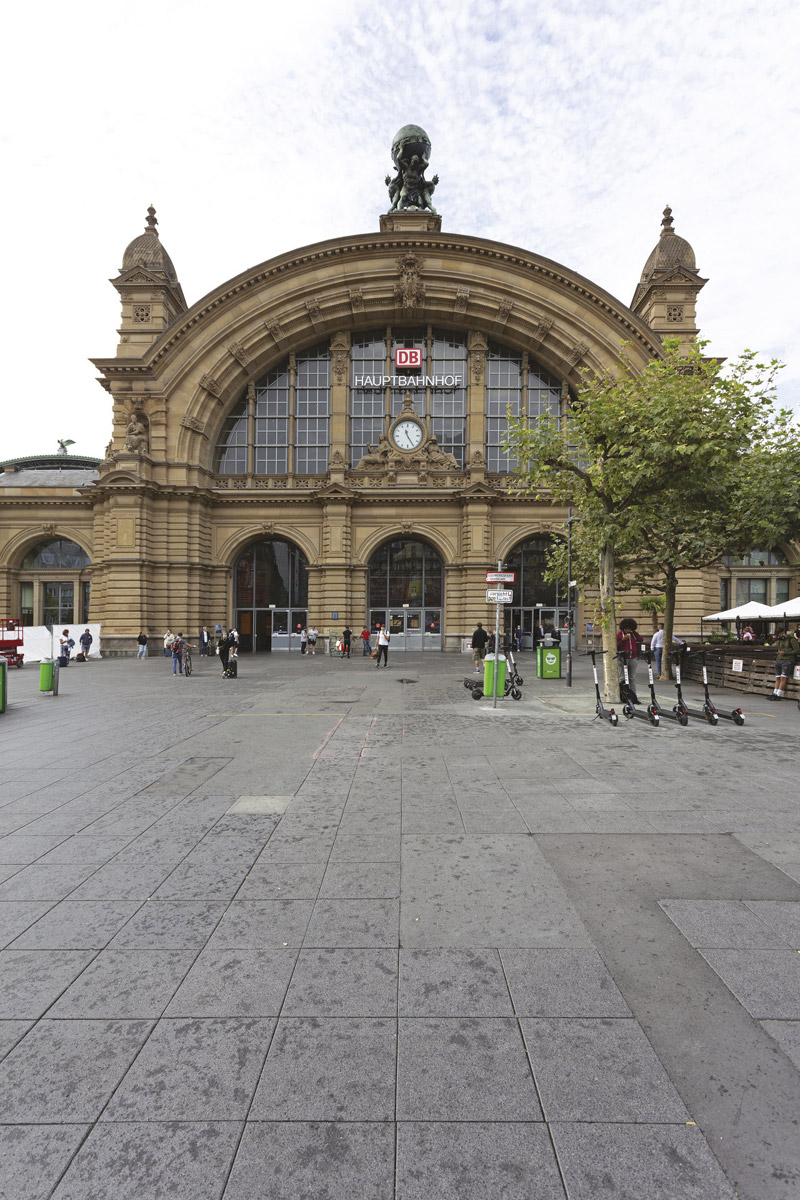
{"points": [[255, 128]]}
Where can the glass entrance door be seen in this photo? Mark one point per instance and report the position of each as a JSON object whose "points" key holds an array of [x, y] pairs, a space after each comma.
{"points": [[530, 619], [269, 629], [409, 628]]}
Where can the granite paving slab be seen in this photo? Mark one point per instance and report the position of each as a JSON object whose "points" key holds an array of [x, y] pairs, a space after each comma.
{"points": [[329, 1069], [446, 1160], [282, 881], [353, 923], [361, 880], [25, 848], [343, 983], [119, 881], [781, 915], [453, 983], [320, 1159], [45, 1078], [17, 916], [725, 924], [167, 924], [31, 980], [33, 1158], [194, 1070], [766, 982], [463, 1069], [11, 1032], [44, 882], [259, 924], [631, 1162], [787, 1035], [234, 983], [77, 925], [152, 1161], [78, 850], [125, 983], [561, 983]]}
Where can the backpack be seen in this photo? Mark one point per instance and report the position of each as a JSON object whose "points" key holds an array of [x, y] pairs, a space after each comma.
{"points": [[177, 646]]}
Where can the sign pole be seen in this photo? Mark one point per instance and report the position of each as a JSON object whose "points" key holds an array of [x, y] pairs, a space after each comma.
{"points": [[497, 641]]}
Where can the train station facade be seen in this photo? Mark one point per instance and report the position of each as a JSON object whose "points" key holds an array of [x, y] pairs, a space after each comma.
{"points": [[320, 441]]}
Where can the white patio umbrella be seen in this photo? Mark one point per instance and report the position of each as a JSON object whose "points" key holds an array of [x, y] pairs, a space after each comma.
{"points": [[789, 609], [745, 612]]}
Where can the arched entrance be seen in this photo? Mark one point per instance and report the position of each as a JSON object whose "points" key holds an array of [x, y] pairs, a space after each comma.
{"points": [[536, 602], [54, 584], [406, 593], [270, 595]]}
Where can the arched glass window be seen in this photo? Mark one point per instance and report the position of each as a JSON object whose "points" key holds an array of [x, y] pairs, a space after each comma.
{"points": [[518, 386], [373, 403], [56, 554], [282, 424], [529, 561], [405, 572]]}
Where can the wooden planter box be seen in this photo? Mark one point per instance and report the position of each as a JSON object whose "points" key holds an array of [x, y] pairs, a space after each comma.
{"points": [[757, 674]]}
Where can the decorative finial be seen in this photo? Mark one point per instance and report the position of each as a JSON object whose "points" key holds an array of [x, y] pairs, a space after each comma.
{"points": [[151, 221], [667, 221], [409, 190], [63, 443]]}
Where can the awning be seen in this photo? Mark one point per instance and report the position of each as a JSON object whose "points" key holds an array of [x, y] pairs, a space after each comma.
{"points": [[746, 612]]}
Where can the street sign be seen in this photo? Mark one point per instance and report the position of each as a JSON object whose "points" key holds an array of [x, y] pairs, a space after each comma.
{"points": [[499, 596], [500, 576]]}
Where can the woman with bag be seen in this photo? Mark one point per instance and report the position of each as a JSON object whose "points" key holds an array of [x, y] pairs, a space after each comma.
{"points": [[383, 646], [629, 643]]}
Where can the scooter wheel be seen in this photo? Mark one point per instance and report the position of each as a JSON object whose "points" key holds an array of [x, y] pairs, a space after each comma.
{"points": [[738, 716], [477, 693], [469, 683], [652, 715], [614, 719], [712, 719], [516, 694], [683, 719], [518, 680], [627, 711]]}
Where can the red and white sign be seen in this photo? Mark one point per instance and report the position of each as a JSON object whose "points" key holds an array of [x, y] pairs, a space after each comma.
{"points": [[500, 576], [407, 358]]}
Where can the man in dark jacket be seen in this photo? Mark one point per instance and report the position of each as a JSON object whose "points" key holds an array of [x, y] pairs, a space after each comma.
{"points": [[479, 639]]}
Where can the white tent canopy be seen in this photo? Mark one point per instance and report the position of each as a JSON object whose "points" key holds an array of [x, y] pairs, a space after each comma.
{"points": [[746, 612], [789, 608]]}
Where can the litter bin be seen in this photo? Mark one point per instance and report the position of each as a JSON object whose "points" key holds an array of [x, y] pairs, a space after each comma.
{"points": [[488, 674], [548, 662], [46, 675]]}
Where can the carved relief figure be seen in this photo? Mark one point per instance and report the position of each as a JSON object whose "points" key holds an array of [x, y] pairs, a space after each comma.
{"points": [[409, 190], [136, 433]]}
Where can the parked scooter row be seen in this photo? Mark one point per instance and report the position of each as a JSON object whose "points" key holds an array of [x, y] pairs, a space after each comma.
{"points": [[652, 713]]}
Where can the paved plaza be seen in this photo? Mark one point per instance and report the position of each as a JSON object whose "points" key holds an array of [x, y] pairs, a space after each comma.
{"points": [[331, 933]]}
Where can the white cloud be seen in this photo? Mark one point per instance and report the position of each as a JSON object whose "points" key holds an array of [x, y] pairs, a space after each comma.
{"points": [[258, 128]]}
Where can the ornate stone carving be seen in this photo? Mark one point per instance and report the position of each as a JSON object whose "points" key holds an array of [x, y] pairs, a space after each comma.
{"points": [[576, 354], [339, 366], [337, 459], [239, 353], [340, 340], [356, 297], [193, 423], [462, 296], [542, 329], [477, 364], [313, 309], [48, 529], [409, 290], [275, 329], [141, 314], [136, 440], [210, 385], [675, 312], [407, 527], [410, 191], [478, 459], [268, 528], [503, 311]]}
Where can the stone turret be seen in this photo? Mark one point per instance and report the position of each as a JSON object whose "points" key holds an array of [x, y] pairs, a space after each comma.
{"points": [[666, 296], [152, 297]]}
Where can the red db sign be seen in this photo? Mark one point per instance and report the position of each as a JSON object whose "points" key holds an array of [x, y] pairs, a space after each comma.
{"points": [[407, 358]]}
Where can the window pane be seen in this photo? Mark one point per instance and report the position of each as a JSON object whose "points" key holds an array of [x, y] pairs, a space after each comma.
{"points": [[57, 553], [781, 591]]}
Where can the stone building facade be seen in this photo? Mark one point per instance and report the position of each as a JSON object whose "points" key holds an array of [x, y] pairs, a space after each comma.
{"points": [[274, 461]]}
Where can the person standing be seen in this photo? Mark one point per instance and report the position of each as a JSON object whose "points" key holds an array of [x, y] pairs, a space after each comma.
{"points": [[366, 645], [383, 646], [518, 638], [347, 637], [222, 649], [177, 654], [303, 640], [169, 638], [657, 647], [479, 639], [312, 640], [86, 640], [65, 643], [629, 643], [142, 642], [205, 638], [787, 648]]}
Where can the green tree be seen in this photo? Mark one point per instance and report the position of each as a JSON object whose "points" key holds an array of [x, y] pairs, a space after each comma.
{"points": [[639, 445]]}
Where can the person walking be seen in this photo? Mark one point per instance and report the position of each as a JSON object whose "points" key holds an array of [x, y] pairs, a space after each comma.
{"points": [[657, 647], [787, 648], [347, 637], [142, 643], [86, 640], [205, 639], [383, 646], [177, 654], [629, 643], [518, 638], [479, 639], [222, 649], [169, 638], [366, 644], [312, 640]]}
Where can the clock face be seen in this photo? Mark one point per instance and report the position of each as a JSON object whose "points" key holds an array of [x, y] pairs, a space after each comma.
{"points": [[407, 435]]}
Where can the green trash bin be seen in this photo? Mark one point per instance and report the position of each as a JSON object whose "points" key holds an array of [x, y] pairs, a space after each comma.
{"points": [[548, 662], [46, 675], [488, 674]]}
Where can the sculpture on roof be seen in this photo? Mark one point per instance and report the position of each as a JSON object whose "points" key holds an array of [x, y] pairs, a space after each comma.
{"points": [[63, 443], [409, 190]]}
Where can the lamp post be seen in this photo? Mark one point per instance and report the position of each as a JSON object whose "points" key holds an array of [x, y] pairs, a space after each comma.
{"points": [[570, 585]]}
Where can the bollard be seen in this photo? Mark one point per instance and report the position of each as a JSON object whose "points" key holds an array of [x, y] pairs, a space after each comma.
{"points": [[3, 683], [46, 675]]}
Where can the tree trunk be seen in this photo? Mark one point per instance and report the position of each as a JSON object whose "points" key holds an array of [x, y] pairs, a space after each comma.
{"points": [[608, 621], [670, 588]]}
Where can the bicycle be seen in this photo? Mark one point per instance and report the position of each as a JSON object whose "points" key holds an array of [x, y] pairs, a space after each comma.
{"points": [[187, 659]]}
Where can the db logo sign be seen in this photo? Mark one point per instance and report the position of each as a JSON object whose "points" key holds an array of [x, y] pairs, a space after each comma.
{"points": [[407, 358]]}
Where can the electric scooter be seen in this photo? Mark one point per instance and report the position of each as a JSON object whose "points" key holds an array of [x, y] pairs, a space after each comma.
{"points": [[603, 713], [735, 715], [707, 712], [629, 708], [675, 714], [511, 669]]}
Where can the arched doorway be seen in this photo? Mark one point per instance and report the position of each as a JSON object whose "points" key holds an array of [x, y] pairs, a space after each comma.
{"points": [[406, 593], [270, 595], [536, 602], [54, 584]]}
